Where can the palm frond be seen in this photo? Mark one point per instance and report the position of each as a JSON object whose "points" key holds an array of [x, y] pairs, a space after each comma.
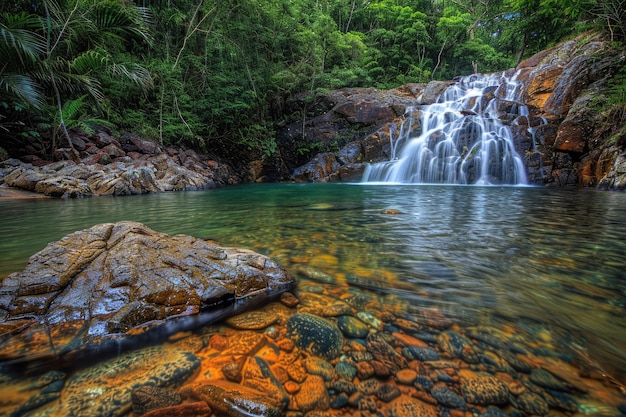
{"points": [[135, 73], [23, 87], [68, 81], [89, 62], [114, 19], [18, 40]]}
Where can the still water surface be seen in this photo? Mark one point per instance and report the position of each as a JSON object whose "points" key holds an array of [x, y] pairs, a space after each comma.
{"points": [[545, 260]]}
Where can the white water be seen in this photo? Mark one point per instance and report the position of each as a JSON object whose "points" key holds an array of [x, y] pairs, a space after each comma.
{"points": [[462, 139]]}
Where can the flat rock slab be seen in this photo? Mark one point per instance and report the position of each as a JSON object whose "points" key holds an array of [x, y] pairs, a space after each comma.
{"points": [[115, 286]]}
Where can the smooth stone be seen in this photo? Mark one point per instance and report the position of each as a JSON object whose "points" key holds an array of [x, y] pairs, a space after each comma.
{"points": [[352, 327], [485, 390], [292, 387], [364, 370], [315, 335], [530, 403], [384, 352], [423, 354], [343, 386], [313, 395], [339, 401], [406, 376], [404, 406], [258, 375], [446, 397], [316, 366], [408, 340], [458, 346], [369, 386], [107, 387], [345, 370], [233, 400], [424, 383], [252, 320], [388, 392], [548, 380]]}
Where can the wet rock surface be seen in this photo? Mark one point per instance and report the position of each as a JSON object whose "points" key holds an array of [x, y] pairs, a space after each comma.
{"points": [[270, 369], [115, 285], [562, 141]]}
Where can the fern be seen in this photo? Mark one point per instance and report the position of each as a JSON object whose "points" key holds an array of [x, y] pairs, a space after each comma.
{"points": [[76, 116]]}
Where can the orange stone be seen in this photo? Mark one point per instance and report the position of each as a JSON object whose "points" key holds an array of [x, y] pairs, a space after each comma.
{"points": [[292, 387], [407, 340], [406, 376]]}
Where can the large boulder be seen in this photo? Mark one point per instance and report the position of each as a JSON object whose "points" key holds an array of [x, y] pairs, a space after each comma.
{"points": [[330, 121], [113, 286]]}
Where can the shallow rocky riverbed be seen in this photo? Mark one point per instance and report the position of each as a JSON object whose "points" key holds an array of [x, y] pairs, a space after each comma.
{"points": [[328, 350]]}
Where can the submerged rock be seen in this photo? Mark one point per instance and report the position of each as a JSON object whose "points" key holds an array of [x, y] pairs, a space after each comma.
{"points": [[107, 389], [316, 335], [115, 285], [485, 390]]}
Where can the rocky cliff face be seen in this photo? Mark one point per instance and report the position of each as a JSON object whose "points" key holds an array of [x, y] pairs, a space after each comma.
{"points": [[564, 140]]}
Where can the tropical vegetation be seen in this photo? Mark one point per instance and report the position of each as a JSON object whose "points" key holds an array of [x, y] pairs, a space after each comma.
{"points": [[215, 75]]}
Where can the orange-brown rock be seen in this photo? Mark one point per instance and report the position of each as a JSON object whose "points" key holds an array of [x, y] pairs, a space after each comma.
{"points": [[114, 285], [232, 400]]}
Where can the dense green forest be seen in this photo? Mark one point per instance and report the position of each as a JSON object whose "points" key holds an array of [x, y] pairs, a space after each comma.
{"points": [[214, 75]]}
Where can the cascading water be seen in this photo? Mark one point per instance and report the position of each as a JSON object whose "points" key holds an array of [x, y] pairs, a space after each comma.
{"points": [[463, 140]]}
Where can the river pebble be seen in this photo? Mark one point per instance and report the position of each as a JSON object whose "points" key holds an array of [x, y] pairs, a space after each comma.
{"points": [[406, 376], [352, 327], [316, 366], [252, 320], [446, 397], [345, 370], [457, 346], [485, 390], [423, 354], [107, 387], [315, 334], [339, 401], [404, 406], [313, 395], [563, 401], [384, 352], [532, 404], [423, 383], [546, 379], [388, 392]]}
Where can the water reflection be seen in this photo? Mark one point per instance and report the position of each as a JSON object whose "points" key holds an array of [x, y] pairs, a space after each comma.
{"points": [[537, 258]]}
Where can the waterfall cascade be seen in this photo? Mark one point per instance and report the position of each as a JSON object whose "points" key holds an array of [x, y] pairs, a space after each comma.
{"points": [[462, 140]]}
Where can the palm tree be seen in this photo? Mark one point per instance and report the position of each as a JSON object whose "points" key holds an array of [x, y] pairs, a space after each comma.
{"points": [[62, 53]]}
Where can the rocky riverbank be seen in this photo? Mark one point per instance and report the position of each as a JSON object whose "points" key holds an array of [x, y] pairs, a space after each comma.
{"points": [[102, 164]]}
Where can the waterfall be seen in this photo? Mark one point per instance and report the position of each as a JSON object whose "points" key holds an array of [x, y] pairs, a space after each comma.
{"points": [[463, 139]]}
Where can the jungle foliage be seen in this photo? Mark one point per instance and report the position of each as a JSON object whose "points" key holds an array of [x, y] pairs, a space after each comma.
{"points": [[214, 75]]}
